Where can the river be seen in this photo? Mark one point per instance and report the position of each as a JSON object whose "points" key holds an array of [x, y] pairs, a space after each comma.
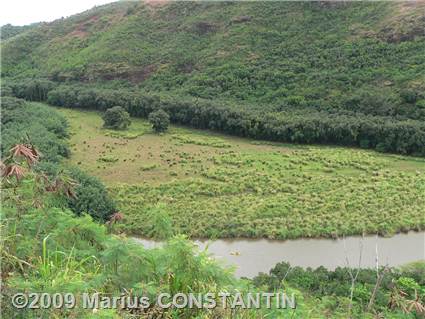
{"points": [[251, 256]]}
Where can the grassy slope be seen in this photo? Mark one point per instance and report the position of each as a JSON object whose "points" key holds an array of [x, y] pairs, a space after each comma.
{"points": [[215, 185], [296, 53]]}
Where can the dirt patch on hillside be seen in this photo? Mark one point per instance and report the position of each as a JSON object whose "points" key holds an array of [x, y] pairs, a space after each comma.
{"points": [[133, 74], [95, 23], [139, 75], [155, 3], [406, 22], [81, 30], [78, 34], [403, 22]]}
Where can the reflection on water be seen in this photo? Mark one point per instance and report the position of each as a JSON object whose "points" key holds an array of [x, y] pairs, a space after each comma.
{"points": [[253, 256]]}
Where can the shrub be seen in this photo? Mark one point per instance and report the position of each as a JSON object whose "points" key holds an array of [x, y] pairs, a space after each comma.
{"points": [[159, 120], [415, 270], [375, 102], [32, 89], [162, 224], [421, 104], [409, 95], [6, 90], [11, 103], [34, 123], [91, 197], [116, 118], [320, 281]]}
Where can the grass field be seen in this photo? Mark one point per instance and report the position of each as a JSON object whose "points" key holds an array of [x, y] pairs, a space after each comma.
{"points": [[212, 185]]}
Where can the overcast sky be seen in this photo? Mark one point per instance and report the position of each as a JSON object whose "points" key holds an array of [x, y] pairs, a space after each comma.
{"points": [[21, 12]]}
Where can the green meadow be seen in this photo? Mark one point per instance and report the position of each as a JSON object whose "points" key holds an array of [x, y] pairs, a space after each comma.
{"points": [[210, 185]]}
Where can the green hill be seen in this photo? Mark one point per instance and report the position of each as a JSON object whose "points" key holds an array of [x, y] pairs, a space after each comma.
{"points": [[321, 60]]}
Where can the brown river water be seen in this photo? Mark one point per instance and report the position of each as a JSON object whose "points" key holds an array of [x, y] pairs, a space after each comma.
{"points": [[249, 256]]}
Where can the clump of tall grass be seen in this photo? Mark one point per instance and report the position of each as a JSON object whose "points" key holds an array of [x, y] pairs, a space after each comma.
{"points": [[204, 141]]}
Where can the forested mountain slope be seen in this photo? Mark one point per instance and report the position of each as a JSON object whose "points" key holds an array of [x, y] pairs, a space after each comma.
{"points": [[342, 58], [8, 31]]}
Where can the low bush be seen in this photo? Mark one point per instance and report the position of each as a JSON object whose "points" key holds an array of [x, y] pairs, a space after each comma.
{"points": [[47, 131], [395, 284], [91, 197], [36, 124]]}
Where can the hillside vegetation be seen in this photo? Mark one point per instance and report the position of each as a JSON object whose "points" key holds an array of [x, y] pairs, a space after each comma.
{"points": [[336, 73], [8, 31], [308, 54]]}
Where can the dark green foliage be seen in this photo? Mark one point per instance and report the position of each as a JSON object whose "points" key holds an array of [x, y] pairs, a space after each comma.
{"points": [[116, 118], [159, 120], [77, 96], [31, 89], [35, 123], [322, 282], [9, 31], [11, 103], [409, 95], [350, 128], [91, 197], [47, 130], [6, 90], [415, 270]]}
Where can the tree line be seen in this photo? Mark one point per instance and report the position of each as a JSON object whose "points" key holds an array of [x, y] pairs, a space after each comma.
{"points": [[337, 127]]}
